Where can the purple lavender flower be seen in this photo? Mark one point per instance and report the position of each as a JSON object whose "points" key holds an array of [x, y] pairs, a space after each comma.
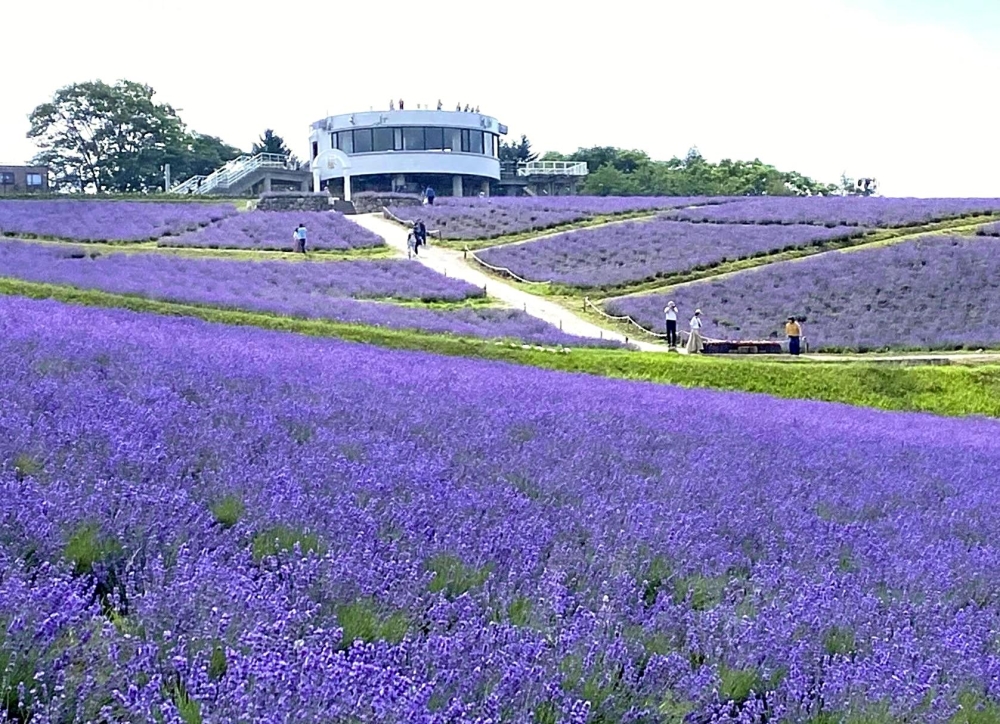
{"points": [[86, 220], [638, 251], [272, 230], [936, 292], [240, 525]]}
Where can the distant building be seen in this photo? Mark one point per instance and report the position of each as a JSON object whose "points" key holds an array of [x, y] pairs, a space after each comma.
{"points": [[454, 152], [23, 180]]}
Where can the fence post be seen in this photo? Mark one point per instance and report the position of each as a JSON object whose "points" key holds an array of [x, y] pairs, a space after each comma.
{"points": [[560, 325], [602, 334], [525, 306], [626, 339]]}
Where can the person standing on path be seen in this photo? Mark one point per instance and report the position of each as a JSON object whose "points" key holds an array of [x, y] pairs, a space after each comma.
{"points": [[429, 195], [300, 238], [794, 333], [670, 314], [695, 343], [420, 229], [411, 244]]}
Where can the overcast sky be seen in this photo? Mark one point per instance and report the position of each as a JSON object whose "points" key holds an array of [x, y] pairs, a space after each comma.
{"points": [[903, 90]]}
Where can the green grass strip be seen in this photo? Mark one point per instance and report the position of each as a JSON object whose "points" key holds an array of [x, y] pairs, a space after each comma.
{"points": [[943, 389]]}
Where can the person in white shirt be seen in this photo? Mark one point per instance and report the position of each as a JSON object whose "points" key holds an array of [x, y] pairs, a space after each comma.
{"points": [[695, 343], [670, 314]]}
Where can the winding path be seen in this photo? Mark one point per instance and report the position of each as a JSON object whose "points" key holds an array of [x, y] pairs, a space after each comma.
{"points": [[451, 263]]}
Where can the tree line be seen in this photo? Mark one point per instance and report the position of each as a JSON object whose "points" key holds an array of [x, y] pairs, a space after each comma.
{"points": [[102, 138], [621, 172]]}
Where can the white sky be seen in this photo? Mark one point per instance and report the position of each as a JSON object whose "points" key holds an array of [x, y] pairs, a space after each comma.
{"points": [[818, 86]]}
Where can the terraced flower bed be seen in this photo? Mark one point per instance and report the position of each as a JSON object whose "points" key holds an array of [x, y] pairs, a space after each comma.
{"points": [[231, 283], [319, 290], [631, 252], [272, 231], [839, 211], [475, 218], [202, 523], [989, 229], [935, 292], [107, 220]]}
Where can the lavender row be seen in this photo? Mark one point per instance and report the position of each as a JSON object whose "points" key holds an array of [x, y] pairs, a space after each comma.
{"points": [[839, 211], [631, 252], [472, 218], [989, 229], [937, 292], [312, 290], [107, 220], [247, 526], [229, 283], [272, 231]]}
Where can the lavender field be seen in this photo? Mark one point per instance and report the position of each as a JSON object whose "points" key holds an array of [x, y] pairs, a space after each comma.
{"points": [[937, 292], [989, 229], [474, 218], [229, 283], [313, 290], [107, 220], [838, 211], [631, 252], [272, 231], [215, 524]]}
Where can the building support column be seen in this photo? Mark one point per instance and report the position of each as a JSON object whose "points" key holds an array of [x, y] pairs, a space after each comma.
{"points": [[267, 184], [347, 187], [456, 186], [486, 187], [316, 181]]}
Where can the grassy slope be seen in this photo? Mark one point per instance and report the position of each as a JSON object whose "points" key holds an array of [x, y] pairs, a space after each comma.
{"points": [[947, 390]]}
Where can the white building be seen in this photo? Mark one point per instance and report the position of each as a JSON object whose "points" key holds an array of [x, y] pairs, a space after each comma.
{"points": [[453, 152]]}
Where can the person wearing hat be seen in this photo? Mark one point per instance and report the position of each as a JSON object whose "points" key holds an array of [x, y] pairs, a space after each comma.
{"points": [[670, 316], [794, 333], [695, 343]]}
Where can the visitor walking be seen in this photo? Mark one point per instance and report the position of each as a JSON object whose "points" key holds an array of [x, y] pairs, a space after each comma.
{"points": [[670, 315], [695, 343], [420, 230], [794, 333], [392, 105], [411, 244], [400, 104], [300, 238], [440, 104], [429, 195]]}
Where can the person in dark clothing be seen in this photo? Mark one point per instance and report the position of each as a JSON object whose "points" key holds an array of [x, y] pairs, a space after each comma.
{"points": [[429, 195], [421, 232]]}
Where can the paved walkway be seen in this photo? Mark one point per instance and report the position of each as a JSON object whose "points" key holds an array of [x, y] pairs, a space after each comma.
{"points": [[451, 263]]}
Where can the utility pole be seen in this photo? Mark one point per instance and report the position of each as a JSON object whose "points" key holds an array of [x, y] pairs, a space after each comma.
{"points": [[166, 177]]}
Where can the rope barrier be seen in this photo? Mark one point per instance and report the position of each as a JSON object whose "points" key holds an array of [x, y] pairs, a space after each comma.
{"points": [[499, 269], [386, 214]]}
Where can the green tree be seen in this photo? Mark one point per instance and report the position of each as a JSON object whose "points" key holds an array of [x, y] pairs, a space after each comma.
{"points": [[609, 181], [271, 142], [100, 137], [199, 155], [519, 152]]}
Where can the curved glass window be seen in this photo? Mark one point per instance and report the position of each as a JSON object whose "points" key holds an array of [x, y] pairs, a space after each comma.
{"points": [[383, 139]]}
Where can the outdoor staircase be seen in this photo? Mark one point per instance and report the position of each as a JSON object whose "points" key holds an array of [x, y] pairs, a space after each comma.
{"points": [[241, 174]]}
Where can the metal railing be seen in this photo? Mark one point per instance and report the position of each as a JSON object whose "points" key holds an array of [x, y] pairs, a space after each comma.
{"points": [[552, 168], [231, 173]]}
